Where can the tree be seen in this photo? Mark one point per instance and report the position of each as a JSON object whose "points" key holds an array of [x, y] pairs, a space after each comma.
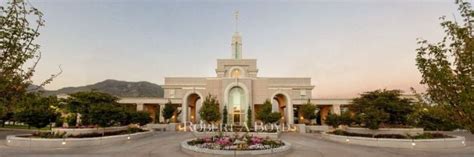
{"points": [[333, 120], [433, 118], [224, 115], [18, 47], [71, 119], [168, 111], [447, 67], [249, 116], [373, 118], [105, 114], [387, 106], [266, 115], [308, 111], [210, 109], [141, 118], [126, 116], [37, 111], [346, 118], [273, 117], [84, 102]]}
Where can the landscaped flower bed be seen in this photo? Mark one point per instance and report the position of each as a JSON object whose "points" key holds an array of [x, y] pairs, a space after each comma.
{"points": [[245, 142], [87, 135], [394, 136]]}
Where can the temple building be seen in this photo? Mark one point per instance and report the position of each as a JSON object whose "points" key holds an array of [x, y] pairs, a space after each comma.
{"points": [[238, 86]]}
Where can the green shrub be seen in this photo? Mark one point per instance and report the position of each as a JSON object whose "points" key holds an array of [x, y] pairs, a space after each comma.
{"points": [[430, 136], [49, 134], [393, 136], [141, 118], [382, 107], [134, 130], [72, 119], [333, 120], [105, 115], [433, 118], [373, 118], [266, 115], [346, 118], [273, 117], [59, 122]]}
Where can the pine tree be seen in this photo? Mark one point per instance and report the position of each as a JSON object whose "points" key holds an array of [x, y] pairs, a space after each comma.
{"points": [[210, 109], [249, 116], [224, 114]]}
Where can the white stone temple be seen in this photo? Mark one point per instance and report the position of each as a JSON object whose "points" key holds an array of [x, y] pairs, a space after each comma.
{"points": [[238, 86]]}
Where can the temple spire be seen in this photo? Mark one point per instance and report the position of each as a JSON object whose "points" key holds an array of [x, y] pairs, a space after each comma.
{"points": [[236, 14], [236, 40]]}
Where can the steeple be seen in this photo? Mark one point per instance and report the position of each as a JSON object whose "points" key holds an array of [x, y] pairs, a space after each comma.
{"points": [[236, 39]]}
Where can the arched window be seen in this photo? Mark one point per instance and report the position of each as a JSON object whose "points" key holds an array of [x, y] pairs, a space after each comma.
{"points": [[235, 73]]}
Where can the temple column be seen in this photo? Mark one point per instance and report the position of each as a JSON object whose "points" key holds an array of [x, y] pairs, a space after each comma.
{"points": [[289, 116], [184, 112], [140, 106], [198, 107], [336, 109], [161, 118]]}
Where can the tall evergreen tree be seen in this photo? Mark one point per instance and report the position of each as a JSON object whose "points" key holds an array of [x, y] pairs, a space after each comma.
{"points": [[225, 114], [210, 109], [249, 116]]}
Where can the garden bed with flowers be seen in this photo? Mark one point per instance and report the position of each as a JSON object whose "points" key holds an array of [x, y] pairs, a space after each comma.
{"points": [[227, 145]]}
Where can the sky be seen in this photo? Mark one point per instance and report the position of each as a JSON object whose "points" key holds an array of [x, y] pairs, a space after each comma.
{"points": [[346, 47]]}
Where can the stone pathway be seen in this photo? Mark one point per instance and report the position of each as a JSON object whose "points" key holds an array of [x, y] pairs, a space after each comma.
{"points": [[166, 144]]}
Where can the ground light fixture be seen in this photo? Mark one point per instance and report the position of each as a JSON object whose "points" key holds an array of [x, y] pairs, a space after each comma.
{"points": [[128, 137], [347, 140], [413, 144]]}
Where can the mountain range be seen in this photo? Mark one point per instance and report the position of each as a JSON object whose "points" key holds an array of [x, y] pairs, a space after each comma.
{"points": [[116, 88]]}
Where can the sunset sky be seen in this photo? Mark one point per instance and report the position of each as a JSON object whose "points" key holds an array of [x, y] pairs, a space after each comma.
{"points": [[346, 46]]}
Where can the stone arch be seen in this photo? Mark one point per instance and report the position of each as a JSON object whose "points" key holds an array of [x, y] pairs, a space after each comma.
{"points": [[284, 100], [190, 99]]}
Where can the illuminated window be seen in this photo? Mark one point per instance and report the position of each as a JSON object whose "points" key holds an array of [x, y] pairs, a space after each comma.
{"points": [[235, 73]]}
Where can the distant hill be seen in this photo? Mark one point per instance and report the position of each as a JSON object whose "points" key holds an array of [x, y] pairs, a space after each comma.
{"points": [[34, 88], [116, 88]]}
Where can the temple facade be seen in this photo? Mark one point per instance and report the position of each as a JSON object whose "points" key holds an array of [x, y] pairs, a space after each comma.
{"points": [[238, 87]]}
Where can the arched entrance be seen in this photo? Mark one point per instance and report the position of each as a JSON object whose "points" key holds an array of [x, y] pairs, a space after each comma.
{"points": [[282, 104], [190, 108], [237, 105]]}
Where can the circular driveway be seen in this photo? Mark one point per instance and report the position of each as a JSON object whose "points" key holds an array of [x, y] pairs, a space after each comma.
{"points": [[166, 144]]}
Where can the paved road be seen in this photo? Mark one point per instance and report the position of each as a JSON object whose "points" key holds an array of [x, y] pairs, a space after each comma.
{"points": [[166, 144]]}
